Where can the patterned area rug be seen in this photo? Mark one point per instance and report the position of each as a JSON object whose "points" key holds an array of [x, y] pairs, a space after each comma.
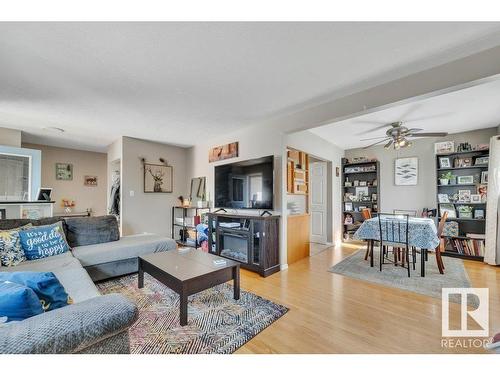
{"points": [[455, 275], [216, 322]]}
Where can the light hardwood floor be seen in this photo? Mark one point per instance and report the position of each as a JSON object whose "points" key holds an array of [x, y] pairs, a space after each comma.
{"points": [[330, 313]]}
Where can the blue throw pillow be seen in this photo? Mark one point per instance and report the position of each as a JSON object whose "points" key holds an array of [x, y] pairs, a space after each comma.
{"points": [[47, 287], [18, 302], [43, 241]]}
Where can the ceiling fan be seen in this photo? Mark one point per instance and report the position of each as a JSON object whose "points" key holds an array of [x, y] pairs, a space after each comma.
{"points": [[397, 136]]}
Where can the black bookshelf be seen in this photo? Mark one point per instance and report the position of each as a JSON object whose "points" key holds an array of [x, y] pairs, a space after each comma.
{"points": [[462, 246], [367, 175]]}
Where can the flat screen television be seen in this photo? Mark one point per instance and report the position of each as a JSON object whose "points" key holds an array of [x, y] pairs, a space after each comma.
{"points": [[247, 184]]}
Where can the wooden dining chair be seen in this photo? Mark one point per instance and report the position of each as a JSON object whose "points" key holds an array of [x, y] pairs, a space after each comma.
{"points": [[440, 247], [367, 214]]}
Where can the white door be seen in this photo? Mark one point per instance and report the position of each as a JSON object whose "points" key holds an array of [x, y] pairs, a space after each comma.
{"points": [[318, 204]]}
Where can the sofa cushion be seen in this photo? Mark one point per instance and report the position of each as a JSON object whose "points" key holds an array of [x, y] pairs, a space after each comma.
{"points": [[82, 231], [68, 270], [43, 241], [11, 251], [18, 302], [45, 284], [125, 248]]}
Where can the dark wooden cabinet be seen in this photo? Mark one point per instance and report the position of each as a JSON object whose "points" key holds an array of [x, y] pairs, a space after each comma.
{"points": [[251, 240]]}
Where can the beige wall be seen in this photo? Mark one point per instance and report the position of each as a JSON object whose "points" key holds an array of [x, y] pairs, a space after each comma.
{"points": [[149, 212], [10, 137], [84, 163], [424, 193]]}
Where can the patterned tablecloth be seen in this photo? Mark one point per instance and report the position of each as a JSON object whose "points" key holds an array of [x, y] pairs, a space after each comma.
{"points": [[422, 232]]}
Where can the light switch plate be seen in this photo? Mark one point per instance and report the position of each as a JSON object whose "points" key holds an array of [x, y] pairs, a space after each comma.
{"points": [[132, 193]]}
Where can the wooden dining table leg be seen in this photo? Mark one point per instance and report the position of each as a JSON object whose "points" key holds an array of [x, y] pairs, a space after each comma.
{"points": [[422, 262], [370, 244]]}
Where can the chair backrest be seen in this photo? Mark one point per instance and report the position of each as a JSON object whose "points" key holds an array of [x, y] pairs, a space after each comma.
{"points": [[442, 222], [412, 213], [393, 228], [367, 213]]}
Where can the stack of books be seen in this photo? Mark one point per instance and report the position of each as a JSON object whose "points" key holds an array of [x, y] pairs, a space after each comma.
{"points": [[473, 246]]}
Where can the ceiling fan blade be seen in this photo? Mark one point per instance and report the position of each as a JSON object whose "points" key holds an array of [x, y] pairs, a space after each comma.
{"points": [[370, 139], [389, 144], [442, 134], [376, 143], [413, 130]]}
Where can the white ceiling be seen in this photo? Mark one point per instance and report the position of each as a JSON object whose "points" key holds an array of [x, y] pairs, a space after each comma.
{"points": [[182, 82], [468, 109]]}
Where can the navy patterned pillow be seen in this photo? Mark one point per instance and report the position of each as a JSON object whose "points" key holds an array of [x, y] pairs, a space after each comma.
{"points": [[11, 251]]}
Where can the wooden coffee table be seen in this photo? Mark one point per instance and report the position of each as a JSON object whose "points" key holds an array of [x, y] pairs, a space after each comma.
{"points": [[188, 272]]}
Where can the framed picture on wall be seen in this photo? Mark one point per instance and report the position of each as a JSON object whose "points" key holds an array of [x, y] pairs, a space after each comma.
{"points": [[64, 171], [406, 171], [90, 180], [158, 178]]}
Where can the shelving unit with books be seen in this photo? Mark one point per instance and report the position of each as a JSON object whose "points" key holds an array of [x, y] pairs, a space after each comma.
{"points": [[360, 189], [462, 184]]}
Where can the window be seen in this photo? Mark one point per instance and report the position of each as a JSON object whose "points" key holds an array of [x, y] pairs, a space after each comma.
{"points": [[15, 177]]}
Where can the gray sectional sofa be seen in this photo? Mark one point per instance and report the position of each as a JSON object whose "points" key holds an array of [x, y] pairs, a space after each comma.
{"points": [[94, 323]]}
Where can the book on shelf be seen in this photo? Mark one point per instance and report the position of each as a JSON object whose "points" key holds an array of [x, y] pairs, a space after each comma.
{"points": [[472, 247]]}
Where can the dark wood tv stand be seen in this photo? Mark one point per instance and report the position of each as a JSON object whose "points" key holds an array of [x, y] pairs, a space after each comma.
{"points": [[253, 241]]}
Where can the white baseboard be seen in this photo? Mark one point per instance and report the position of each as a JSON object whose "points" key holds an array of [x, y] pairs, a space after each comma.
{"points": [[283, 267]]}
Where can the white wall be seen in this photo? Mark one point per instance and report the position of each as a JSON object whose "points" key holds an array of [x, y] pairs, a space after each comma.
{"points": [[10, 137], [424, 193], [149, 212], [322, 149]]}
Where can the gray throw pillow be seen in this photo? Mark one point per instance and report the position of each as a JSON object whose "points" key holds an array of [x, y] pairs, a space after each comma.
{"points": [[83, 231]]}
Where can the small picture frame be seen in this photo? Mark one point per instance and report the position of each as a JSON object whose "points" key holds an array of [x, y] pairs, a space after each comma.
{"points": [[348, 184], [447, 207], [484, 177], [356, 183], [465, 180], [348, 219], [475, 198], [484, 160], [465, 215], [348, 206], [90, 181], [463, 162], [374, 197], [479, 213], [444, 162], [64, 171], [363, 183], [464, 196], [444, 147], [443, 198]]}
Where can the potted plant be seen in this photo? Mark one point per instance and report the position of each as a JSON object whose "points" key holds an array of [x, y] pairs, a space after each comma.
{"points": [[445, 178]]}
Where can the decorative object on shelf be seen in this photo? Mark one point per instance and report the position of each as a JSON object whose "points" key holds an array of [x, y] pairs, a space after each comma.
{"points": [[475, 198], [348, 184], [451, 229], [464, 147], [227, 151], [464, 196], [482, 147], [482, 190], [447, 207], [90, 180], [374, 197], [484, 177], [358, 169], [158, 178], [465, 212], [444, 147], [374, 183], [183, 202], [356, 183], [443, 198], [444, 162], [478, 213], [64, 171], [363, 183], [68, 205], [348, 206], [480, 161], [348, 219], [465, 180], [361, 192], [462, 162], [445, 178], [406, 171]]}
